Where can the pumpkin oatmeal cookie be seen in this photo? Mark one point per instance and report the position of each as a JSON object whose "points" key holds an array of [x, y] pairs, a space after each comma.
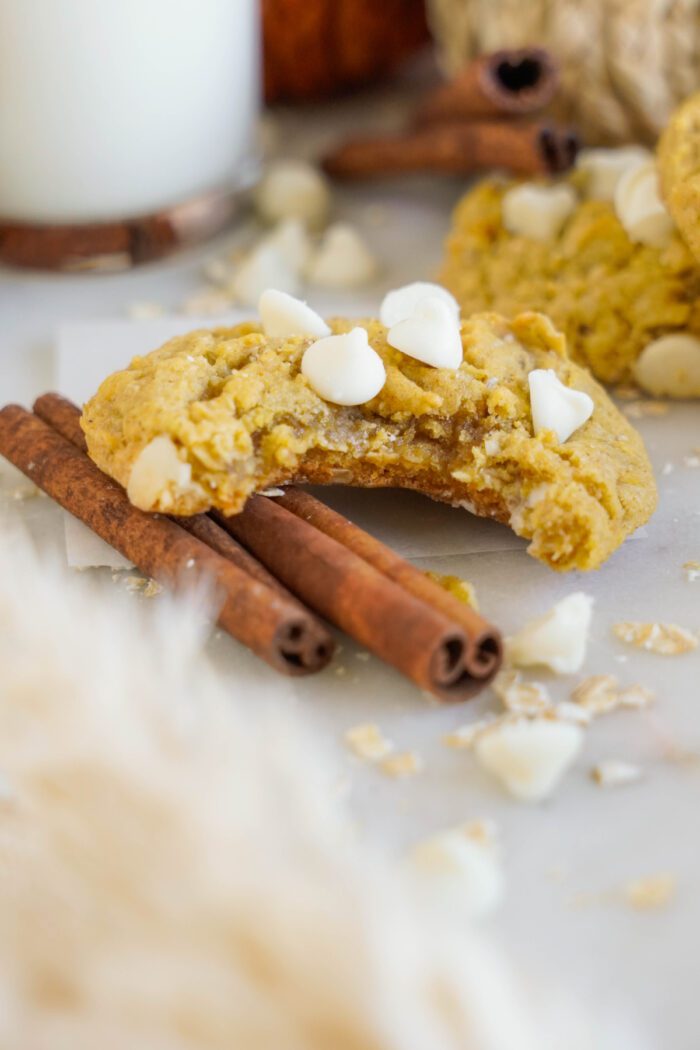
{"points": [[230, 412], [612, 297]]}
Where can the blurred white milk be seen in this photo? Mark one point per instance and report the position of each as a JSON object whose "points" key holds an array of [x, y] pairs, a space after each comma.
{"points": [[111, 109]]}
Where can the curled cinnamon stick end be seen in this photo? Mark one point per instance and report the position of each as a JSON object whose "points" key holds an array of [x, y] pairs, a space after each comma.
{"points": [[536, 148], [484, 650], [508, 83], [64, 417], [253, 613], [424, 643]]}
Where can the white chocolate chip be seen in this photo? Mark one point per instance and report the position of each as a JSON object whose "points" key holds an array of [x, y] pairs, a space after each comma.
{"points": [[529, 757], [344, 369], [639, 207], [342, 260], [292, 242], [555, 406], [400, 303], [538, 212], [670, 366], [464, 866], [157, 470], [556, 640], [431, 334], [282, 315], [602, 168], [265, 267], [293, 189]]}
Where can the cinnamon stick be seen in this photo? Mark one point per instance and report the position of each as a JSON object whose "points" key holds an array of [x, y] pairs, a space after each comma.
{"points": [[276, 630], [483, 654], [64, 416], [402, 630], [458, 148], [507, 83]]}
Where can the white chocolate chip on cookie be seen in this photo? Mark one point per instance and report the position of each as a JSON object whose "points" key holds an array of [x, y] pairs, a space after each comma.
{"points": [[282, 315], [431, 334], [670, 366], [156, 471], [602, 168], [555, 406], [344, 369], [639, 207], [400, 303], [538, 212]]}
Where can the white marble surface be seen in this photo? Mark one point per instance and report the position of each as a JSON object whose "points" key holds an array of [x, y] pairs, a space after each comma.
{"points": [[565, 860]]}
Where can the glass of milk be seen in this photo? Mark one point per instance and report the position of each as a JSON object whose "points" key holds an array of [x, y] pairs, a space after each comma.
{"points": [[126, 126]]}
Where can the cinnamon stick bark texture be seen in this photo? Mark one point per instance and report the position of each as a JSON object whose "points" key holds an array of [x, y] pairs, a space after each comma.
{"points": [[483, 655], [458, 148], [64, 416], [405, 632], [250, 611], [508, 83]]}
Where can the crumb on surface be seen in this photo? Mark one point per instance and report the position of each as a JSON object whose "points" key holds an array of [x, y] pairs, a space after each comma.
{"points": [[615, 772], [692, 571], [667, 639], [461, 589], [640, 409], [655, 891], [523, 698], [368, 742], [403, 764]]}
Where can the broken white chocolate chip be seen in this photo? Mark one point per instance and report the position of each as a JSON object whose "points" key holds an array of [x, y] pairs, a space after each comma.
{"points": [[342, 260], [613, 772], [291, 240], [157, 473], [538, 212], [344, 369], [463, 863], [556, 640], [555, 406], [293, 189], [639, 207], [431, 334], [265, 267], [670, 366], [282, 315], [529, 757], [368, 742], [667, 639], [400, 303], [523, 698], [602, 168]]}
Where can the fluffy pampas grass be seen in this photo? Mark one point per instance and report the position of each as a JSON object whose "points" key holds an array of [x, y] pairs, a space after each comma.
{"points": [[172, 872]]}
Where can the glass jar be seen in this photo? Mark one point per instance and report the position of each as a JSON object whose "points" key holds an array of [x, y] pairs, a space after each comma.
{"points": [[126, 126]]}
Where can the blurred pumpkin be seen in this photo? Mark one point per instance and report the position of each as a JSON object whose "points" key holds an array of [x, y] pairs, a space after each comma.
{"points": [[317, 48]]}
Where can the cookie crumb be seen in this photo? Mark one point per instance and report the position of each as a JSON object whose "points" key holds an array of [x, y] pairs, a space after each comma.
{"points": [[667, 639], [646, 894], [523, 698], [404, 764], [461, 589], [368, 742], [692, 571], [464, 736]]}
